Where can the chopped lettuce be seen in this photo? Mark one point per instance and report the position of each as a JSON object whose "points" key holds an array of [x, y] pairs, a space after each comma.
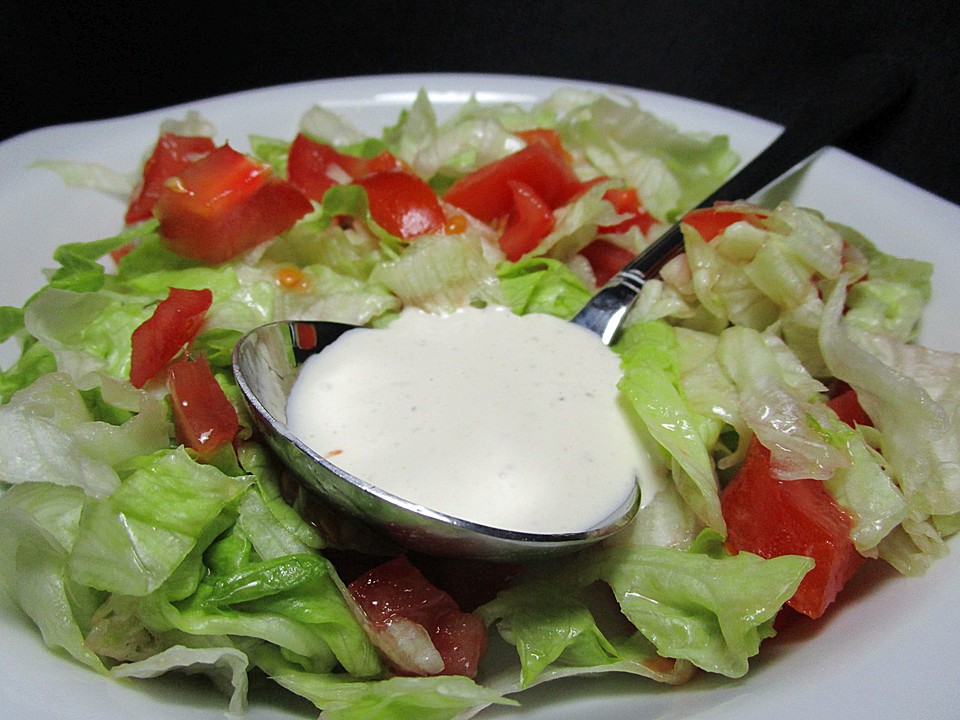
{"points": [[910, 393], [151, 522], [698, 605], [651, 384]]}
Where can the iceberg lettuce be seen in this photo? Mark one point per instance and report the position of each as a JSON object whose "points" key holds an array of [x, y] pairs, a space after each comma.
{"points": [[698, 606]]}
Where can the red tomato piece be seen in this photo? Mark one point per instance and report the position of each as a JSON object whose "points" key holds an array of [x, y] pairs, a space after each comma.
{"points": [[486, 195], [461, 640], [626, 202], [847, 407], [174, 323], [171, 156], [606, 259], [225, 204], [545, 136], [121, 252], [204, 419], [397, 589], [771, 517], [531, 220], [403, 204], [710, 222], [312, 166]]}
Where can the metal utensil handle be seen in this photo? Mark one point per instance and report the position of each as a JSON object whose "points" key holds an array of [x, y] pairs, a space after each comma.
{"points": [[857, 93]]}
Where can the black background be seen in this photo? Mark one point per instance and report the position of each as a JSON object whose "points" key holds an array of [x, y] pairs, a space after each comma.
{"points": [[81, 61]]}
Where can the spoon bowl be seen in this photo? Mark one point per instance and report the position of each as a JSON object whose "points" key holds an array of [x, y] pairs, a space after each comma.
{"points": [[266, 363]]}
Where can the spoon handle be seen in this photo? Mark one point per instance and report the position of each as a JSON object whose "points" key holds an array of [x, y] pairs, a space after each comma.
{"points": [[857, 93]]}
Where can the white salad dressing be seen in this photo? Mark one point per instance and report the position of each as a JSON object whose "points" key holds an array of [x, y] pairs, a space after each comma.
{"points": [[508, 421]]}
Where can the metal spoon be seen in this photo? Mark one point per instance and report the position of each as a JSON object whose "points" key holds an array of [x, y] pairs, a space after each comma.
{"points": [[266, 361]]}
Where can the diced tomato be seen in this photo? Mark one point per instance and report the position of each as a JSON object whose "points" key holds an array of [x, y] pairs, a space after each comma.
{"points": [[461, 640], [121, 252], [626, 202], [312, 166], [403, 204], [204, 419], [710, 222], [606, 259], [531, 220], [545, 136], [170, 157], [397, 589], [771, 517], [847, 407], [485, 193], [225, 204], [174, 323]]}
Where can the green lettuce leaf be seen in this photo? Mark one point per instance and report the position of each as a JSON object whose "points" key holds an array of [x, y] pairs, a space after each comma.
{"points": [[439, 273], [88, 333], [226, 666], [672, 170], [652, 386], [545, 285], [912, 395], [345, 698], [699, 605], [149, 525], [38, 525]]}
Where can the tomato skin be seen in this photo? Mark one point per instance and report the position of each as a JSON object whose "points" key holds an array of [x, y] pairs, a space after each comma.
{"points": [[403, 204], [121, 252], [225, 204], [204, 419], [771, 517], [310, 164], [626, 201], [397, 589], [531, 220], [171, 156], [486, 195], [606, 259], [461, 640], [710, 222], [546, 136], [174, 323]]}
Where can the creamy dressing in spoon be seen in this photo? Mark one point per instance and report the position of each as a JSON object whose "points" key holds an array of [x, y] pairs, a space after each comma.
{"points": [[507, 421]]}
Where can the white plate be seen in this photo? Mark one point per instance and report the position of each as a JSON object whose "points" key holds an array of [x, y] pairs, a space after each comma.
{"points": [[890, 649]]}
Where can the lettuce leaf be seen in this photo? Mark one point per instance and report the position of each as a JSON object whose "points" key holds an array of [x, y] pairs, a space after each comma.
{"points": [[88, 333], [911, 395], [699, 605], [226, 666], [440, 273], [652, 386], [38, 526], [149, 525], [672, 170], [341, 697], [545, 285]]}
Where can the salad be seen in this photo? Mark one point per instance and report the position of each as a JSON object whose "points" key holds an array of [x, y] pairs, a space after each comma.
{"points": [[773, 365]]}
